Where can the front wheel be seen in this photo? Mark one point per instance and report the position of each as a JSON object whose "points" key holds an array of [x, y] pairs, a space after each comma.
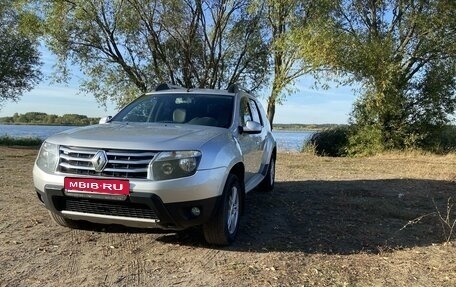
{"points": [[223, 227]]}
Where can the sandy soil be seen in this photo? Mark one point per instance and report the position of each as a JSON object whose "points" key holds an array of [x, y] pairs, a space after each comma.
{"points": [[329, 222]]}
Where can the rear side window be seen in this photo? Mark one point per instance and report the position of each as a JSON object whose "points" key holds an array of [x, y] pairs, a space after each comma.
{"points": [[255, 112], [245, 112], [249, 111]]}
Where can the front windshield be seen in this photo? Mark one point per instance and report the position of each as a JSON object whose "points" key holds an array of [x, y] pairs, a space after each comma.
{"points": [[196, 109]]}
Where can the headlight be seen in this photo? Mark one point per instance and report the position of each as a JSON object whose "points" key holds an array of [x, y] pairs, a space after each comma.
{"points": [[175, 164], [48, 157]]}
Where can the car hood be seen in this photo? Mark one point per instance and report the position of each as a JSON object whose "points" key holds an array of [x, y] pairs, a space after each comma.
{"points": [[138, 136]]}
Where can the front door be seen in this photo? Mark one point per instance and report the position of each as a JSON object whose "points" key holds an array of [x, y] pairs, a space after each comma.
{"points": [[250, 143]]}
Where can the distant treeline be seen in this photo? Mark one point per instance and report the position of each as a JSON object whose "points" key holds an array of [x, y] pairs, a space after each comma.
{"points": [[35, 118], [306, 127]]}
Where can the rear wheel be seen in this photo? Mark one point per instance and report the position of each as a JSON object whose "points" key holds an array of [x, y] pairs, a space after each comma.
{"points": [[60, 220], [269, 180], [223, 227]]}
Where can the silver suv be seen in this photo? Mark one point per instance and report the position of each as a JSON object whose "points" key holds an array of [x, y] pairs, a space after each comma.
{"points": [[172, 159]]}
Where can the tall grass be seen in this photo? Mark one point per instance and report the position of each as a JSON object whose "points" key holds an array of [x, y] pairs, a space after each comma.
{"points": [[6, 140]]}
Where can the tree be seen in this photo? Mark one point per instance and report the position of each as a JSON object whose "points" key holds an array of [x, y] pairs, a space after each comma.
{"points": [[283, 18], [403, 53], [127, 47], [19, 57]]}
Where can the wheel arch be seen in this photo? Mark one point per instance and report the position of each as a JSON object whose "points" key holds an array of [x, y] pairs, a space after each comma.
{"points": [[269, 151]]}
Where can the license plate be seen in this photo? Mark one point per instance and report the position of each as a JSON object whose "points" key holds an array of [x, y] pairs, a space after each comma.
{"points": [[97, 186]]}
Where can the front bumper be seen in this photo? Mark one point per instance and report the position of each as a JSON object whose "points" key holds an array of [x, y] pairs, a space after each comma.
{"points": [[203, 184], [143, 210], [165, 204]]}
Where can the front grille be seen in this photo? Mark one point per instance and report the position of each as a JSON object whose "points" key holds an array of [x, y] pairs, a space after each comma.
{"points": [[121, 163], [114, 208]]}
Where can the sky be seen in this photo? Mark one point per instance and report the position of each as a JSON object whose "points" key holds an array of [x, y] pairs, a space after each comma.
{"points": [[306, 106]]}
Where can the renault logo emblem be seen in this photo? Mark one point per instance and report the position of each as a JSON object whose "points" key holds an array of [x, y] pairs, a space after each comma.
{"points": [[99, 160]]}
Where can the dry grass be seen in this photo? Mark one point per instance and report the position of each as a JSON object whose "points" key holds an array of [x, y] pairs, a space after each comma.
{"points": [[393, 165], [329, 222]]}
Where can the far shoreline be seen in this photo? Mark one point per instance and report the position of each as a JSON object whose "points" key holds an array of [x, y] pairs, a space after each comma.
{"points": [[304, 127]]}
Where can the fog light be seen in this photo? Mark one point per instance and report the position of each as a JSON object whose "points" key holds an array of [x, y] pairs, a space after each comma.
{"points": [[195, 211]]}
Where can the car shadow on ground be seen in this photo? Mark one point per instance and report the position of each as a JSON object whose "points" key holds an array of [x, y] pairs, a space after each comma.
{"points": [[339, 217]]}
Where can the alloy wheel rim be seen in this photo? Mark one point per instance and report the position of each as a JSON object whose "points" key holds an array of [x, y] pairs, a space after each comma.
{"points": [[233, 210]]}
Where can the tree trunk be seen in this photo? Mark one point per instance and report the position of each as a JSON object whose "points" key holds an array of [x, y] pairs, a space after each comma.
{"points": [[271, 110]]}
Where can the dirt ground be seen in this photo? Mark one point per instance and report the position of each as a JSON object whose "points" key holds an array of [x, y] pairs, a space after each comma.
{"points": [[329, 222]]}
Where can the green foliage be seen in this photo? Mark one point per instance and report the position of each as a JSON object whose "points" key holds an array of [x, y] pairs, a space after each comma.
{"points": [[440, 140], [446, 140], [125, 48], [357, 141], [364, 141], [12, 141], [19, 57], [36, 118], [283, 18], [403, 54], [329, 142]]}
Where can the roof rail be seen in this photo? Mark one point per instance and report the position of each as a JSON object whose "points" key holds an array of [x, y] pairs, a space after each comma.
{"points": [[166, 86], [235, 88]]}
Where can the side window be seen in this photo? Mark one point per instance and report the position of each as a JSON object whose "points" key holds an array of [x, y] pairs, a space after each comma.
{"points": [[245, 113], [255, 112]]}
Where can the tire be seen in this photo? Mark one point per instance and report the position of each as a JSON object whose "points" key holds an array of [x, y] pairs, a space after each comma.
{"points": [[60, 220], [223, 227], [268, 182]]}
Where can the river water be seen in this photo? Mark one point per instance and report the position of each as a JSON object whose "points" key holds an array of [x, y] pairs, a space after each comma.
{"points": [[286, 140]]}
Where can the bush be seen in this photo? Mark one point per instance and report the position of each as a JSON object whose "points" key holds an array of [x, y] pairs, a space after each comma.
{"points": [[368, 140], [11, 141], [442, 140], [365, 141], [329, 142], [448, 139]]}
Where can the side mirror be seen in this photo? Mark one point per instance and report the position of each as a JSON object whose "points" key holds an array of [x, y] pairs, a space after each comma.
{"points": [[252, 127], [105, 120]]}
